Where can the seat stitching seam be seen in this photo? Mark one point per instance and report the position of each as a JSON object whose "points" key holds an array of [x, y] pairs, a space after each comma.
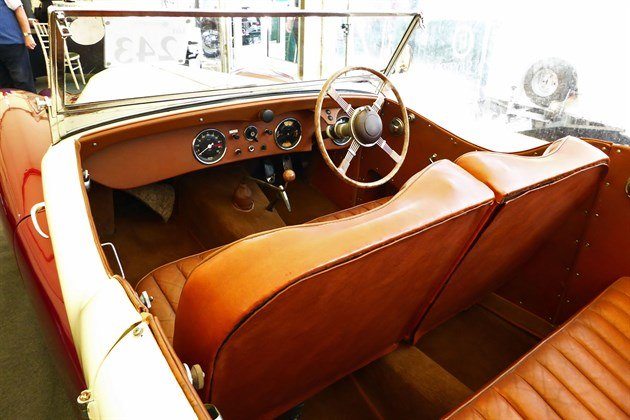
{"points": [[601, 337], [566, 387], [509, 403], [478, 412], [622, 310], [586, 376], [593, 355], [163, 294], [538, 393]]}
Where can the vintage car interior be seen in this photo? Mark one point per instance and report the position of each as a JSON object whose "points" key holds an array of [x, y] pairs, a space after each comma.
{"points": [[299, 269]]}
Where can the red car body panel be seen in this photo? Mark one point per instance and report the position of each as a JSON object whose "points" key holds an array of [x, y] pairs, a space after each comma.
{"points": [[24, 139]]}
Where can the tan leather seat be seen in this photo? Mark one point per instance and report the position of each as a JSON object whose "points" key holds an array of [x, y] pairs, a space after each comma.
{"points": [[581, 371], [275, 317], [165, 283], [534, 196]]}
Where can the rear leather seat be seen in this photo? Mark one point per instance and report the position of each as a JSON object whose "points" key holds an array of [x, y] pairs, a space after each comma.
{"points": [[581, 371]]}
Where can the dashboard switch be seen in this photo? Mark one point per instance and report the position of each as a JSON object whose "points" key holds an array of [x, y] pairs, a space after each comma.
{"points": [[238, 151], [234, 134], [250, 148]]}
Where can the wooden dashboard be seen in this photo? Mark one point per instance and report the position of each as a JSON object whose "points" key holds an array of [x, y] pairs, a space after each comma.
{"points": [[149, 151]]}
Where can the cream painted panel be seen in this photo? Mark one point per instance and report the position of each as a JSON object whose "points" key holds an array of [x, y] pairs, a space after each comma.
{"points": [[127, 374], [135, 381], [99, 311]]}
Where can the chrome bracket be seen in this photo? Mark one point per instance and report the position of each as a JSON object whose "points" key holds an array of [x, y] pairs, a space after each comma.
{"points": [[42, 103], [34, 210], [62, 24], [83, 400], [103, 245]]}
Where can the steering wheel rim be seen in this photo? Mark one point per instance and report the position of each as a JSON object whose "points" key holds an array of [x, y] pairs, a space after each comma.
{"points": [[355, 144]]}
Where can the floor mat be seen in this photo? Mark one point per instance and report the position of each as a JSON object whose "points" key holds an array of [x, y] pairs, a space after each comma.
{"points": [[476, 346], [144, 241]]}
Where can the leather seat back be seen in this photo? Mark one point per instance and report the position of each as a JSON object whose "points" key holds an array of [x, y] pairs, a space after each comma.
{"points": [[277, 316], [534, 196]]}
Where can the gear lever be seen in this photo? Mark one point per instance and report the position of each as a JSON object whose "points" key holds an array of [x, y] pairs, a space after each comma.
{"points": [[288, 176]]}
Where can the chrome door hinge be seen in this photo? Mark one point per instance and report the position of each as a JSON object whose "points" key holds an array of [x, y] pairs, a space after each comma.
{"points": [[62, 24], [42, 103], [83, 401]]}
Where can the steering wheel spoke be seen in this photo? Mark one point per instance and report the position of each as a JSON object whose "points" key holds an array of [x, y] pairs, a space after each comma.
{"points": [[391, 152], [364, 127], [332, 92], [350, 154], [378, 103]]}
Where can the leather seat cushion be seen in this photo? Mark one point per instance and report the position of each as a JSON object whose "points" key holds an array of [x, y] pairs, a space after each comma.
{"points": [[581, 371], [165, 284], [352, 211]]}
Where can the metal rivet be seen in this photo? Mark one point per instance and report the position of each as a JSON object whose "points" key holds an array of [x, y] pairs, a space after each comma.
{"points": [[568, 301], [94, 144], [607, 184], [596, 214], [200, 119], [567, 268], [577, 274], [604, 148], [587, 244], [520, 302], [577, 241], [549, 318], [138, 331], [585, 211], [618, 150]]}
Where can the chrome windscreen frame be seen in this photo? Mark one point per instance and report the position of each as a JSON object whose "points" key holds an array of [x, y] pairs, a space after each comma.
{"points": [[59, 30]]}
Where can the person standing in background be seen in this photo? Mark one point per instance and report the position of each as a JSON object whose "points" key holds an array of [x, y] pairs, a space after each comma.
{"points": [[15, 38]]}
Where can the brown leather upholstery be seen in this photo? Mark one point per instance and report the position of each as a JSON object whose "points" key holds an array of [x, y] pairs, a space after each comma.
{"points": [[165, 284], [277, 316], [581, 371], [352, 211], [534, 195]]}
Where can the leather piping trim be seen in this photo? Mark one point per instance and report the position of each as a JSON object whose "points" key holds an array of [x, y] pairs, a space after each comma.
{"points": [[131, 294], [176, 367], [602, 161], [494, 211], [490, 384], [327, 267], [389, 202]]}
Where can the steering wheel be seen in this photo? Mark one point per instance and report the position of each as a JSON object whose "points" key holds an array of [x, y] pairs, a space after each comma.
{"points": [[365, 128]]}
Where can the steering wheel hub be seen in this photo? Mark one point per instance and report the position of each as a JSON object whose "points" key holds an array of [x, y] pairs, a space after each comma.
{"points": [[366, 126]]}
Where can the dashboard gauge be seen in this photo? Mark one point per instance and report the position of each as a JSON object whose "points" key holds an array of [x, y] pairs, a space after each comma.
{"points": [[209, 146], [251, 133], [343, 140], [288, 134]]}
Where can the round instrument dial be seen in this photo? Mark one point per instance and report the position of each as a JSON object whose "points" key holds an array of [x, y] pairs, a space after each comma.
{"points": [[288, 134], [209, 146]]}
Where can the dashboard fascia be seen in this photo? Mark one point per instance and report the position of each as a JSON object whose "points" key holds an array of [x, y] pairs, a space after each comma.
{"points": [[152, 150]]}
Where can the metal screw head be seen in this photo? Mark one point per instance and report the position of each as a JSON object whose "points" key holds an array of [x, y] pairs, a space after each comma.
{"points": [[138, 331], [618, 150], [607, 184], [84, 397], [596, 214], [587, 244], [201, 119], [94, 144], [604, 148]]}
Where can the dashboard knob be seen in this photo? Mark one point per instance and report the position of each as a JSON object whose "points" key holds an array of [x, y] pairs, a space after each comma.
{"points": [[238, 151], [266, 115], [288, 175]]}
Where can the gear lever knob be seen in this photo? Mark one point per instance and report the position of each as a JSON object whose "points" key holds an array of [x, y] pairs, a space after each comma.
{"points": [[288, 176]]}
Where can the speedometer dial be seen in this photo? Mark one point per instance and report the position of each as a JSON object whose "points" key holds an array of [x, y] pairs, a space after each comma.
{"points": [[209, 146], [288, 134]]}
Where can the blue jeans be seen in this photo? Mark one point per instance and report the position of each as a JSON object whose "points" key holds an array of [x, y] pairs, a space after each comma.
{"points": [[15, 68]]}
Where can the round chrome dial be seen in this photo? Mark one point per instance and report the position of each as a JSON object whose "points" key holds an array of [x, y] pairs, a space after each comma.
{"points": [[288, 133], [209, 146]]}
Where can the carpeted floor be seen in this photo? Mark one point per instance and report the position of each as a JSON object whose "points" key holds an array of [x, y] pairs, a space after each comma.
{"points": [[30, 386], [428, 380]]}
